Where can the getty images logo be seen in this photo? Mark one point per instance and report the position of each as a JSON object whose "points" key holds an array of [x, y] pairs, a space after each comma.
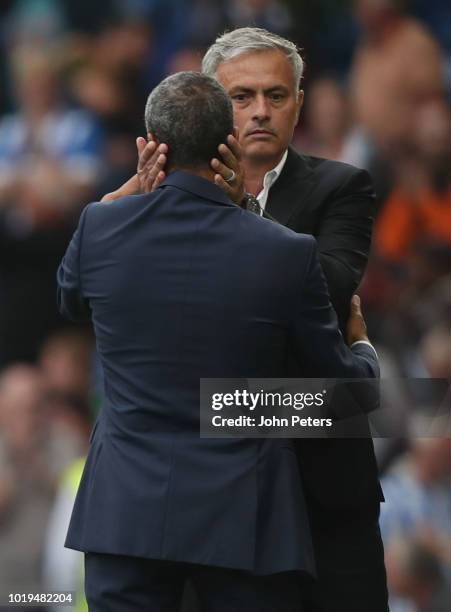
{"points": [[251, 401]]}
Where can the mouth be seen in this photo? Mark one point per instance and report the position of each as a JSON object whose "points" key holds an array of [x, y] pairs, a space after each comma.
{"points": [[261, 133]]}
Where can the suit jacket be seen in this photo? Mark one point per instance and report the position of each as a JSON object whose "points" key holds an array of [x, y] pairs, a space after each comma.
{"points": [[335, 203], [182, 284]]}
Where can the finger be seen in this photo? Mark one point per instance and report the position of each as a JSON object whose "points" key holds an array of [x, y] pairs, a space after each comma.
{"points": [[234, 145], [147, 153], [220, 182], [228, 157], [155, 166], [158, 180], [162, 147], [152, 174], [140, 144], [355, 305], [222, 169]]}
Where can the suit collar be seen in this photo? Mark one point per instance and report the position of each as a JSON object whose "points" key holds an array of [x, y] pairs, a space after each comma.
{"points": [[293, 186], [197, 186]]}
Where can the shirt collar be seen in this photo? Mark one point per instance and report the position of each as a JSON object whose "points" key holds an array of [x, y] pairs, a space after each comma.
{"points": [[272, 176], [269, 179]]}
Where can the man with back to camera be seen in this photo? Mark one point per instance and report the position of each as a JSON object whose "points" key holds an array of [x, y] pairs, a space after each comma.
{"points": [[181, 285], [335, 203]]}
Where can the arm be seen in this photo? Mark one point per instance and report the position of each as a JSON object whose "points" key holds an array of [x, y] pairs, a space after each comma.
{"points": [[344, 239], [318, 343], [320, 348], [71, 303]]}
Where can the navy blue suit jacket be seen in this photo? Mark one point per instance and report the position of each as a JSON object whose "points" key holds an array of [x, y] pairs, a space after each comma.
{"points": [[182, 284]]}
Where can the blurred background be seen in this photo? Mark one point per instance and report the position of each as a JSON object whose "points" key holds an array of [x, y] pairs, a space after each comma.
{"points": [[74, 79]]}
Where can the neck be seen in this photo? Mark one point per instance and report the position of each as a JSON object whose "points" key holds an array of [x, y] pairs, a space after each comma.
{"points": [[203, 172], [255, 170]]}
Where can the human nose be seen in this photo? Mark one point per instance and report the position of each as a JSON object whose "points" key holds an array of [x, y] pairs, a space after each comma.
{"points": [[261, 110]]}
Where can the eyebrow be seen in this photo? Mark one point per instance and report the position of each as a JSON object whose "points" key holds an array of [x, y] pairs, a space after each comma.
{"points": [[243, 89]]}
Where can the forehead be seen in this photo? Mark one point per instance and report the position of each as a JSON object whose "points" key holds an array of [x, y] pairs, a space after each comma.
{"points": [[257, 70]]}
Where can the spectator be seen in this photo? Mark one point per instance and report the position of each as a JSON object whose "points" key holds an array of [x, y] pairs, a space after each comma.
{"points": [[50, 163], [66, 361], [397, 67], [26, 480], [331, 132], [419, 207], [414, 576], [108, 77], [417, 491], [49, 154], [185, 59], [41, 436], [436, 351], [273, 15]]}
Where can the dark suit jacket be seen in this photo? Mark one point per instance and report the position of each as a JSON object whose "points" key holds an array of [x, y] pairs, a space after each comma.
{"points": [[183, 285], [335, 203]]}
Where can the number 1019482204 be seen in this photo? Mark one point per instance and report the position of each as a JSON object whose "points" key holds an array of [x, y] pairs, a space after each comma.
{"points": [[56, 598]]}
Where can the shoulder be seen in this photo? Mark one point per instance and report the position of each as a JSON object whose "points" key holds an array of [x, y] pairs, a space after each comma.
{"points": [[104, 211], [335, 172]]}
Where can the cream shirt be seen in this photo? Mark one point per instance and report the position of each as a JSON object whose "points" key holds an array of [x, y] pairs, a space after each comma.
{"points": [[269, 180]]}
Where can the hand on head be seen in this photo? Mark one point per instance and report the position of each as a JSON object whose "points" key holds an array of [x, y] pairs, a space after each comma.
{"points": [[229, 173], [152, 159]]}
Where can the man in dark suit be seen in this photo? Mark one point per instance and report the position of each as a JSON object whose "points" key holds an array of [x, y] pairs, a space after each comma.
{"points": [[181, 284], [335, 203]]}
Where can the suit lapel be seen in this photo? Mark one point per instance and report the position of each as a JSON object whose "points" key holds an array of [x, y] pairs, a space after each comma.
{"points": [[290, 191]]}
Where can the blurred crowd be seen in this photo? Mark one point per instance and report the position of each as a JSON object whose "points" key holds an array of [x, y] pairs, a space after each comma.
{"points": [[75, 77]]}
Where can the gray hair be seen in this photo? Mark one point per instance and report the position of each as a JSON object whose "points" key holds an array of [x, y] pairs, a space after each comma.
{"points": [[192, 113], [248, 40]]}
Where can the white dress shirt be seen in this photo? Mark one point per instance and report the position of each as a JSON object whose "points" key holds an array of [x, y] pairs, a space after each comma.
{"points": [[269, 180]]}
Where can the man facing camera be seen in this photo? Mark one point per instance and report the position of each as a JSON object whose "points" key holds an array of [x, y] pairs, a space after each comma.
{"points": [[182, 284]]}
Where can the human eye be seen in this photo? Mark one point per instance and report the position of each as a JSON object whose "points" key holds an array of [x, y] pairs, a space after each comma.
{"points": [[240, 97], [277, 96]]}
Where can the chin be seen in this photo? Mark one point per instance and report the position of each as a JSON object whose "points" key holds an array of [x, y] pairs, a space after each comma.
{"points": [[263, 151]]}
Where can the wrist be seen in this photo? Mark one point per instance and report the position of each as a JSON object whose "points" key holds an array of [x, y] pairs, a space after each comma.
{"points": [[360, 339], [250, 202]]}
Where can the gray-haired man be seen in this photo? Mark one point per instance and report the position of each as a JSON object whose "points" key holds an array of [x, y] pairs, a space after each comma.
{"points": [[335, 202]]}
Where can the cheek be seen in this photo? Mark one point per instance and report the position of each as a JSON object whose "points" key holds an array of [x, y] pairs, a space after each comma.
{"points": [[240, 117], [286, 122]]}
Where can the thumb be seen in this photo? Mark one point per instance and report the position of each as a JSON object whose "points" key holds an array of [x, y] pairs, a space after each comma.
{"points": [[355, 305], [140, 144]]}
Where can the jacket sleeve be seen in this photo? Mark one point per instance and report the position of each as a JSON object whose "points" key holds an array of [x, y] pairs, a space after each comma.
{"points": [[318, 342], [71, 303], [344, 239]]}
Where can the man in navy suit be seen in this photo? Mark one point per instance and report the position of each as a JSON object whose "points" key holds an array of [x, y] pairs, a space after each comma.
{"points": [[182, 284], [335, 203]]}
